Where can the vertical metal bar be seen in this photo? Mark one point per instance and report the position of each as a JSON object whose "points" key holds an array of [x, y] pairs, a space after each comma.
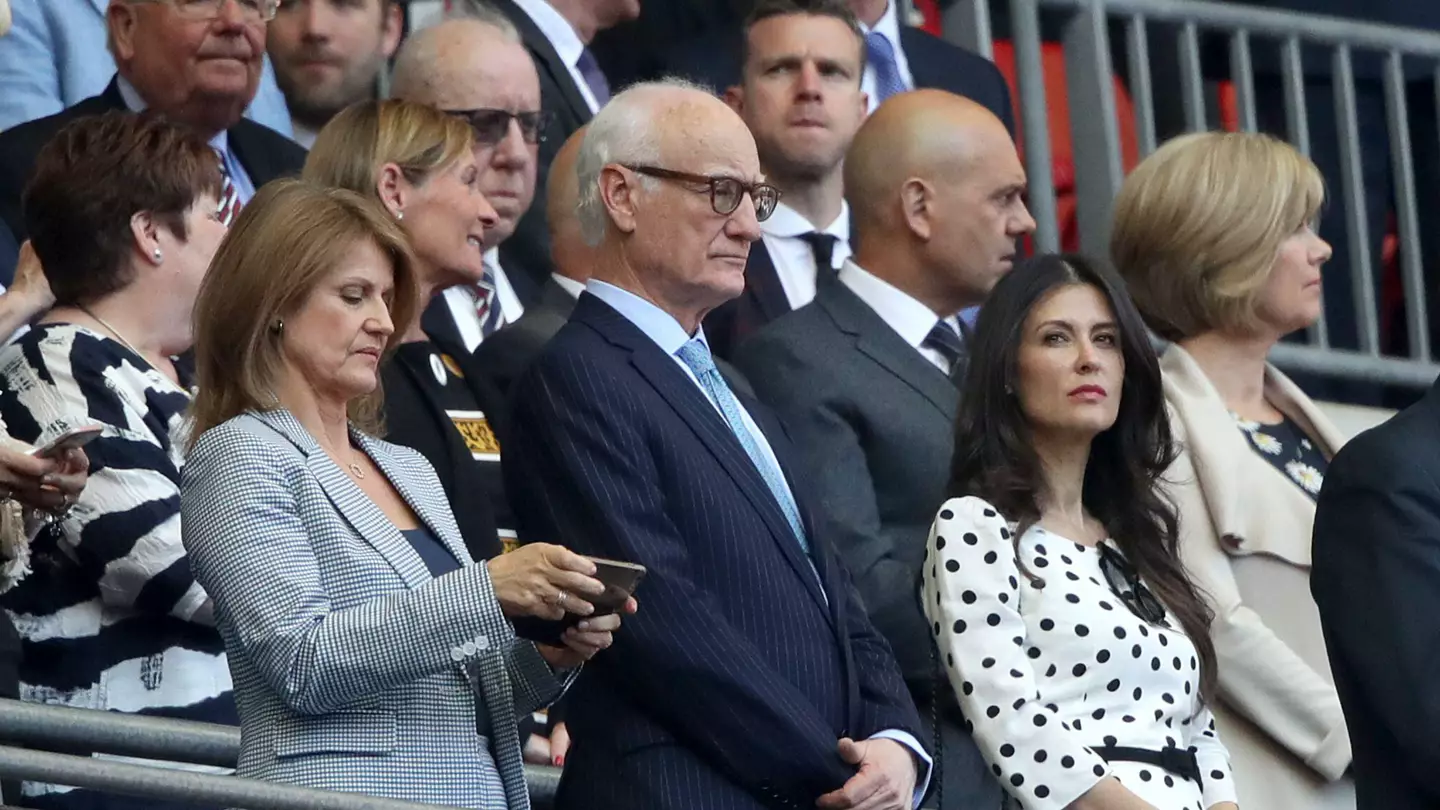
{"points": [[1035, 117], [1358, 228], [1137, 47], [1191, 85], [967, 24], [1407, 214], [1090, 81], [1297, 124], [1243, 74]]}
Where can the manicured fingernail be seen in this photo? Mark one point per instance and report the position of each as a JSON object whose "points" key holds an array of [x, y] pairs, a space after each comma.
{"points": [[584, 625], [559, 762]]}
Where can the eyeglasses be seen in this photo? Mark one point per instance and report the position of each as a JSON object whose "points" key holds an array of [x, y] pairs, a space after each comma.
{"points": [[1124, 580], [725, 192], [491, 126], [250, 10]]}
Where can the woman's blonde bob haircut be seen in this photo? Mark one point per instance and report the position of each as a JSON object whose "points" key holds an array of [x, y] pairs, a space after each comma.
{"points": [[1198, 226], [286, 241], [352, 149]]}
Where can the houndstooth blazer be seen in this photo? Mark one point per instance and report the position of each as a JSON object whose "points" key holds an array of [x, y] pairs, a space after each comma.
{"points": [[352, 664]]}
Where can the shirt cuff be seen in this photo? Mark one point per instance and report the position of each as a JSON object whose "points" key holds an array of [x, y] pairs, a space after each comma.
{"points": [[922, 775]]}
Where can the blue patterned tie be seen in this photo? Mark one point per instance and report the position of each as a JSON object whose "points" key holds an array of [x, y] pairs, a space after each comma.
{"points": [[487, 304], [594, 77], [881, 54], [696, 355]]}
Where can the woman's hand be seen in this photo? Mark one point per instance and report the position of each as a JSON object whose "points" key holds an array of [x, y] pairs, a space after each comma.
{"points": [[50, 485], [30, 285], [544, 580], [585, 639]]}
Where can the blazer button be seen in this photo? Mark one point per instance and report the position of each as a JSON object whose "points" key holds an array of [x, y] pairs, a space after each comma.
{"points": [[457, 654], [482, 643], [469, 648]]}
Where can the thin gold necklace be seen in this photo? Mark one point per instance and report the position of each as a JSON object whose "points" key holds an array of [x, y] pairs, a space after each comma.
{"points": [[112, 330]]}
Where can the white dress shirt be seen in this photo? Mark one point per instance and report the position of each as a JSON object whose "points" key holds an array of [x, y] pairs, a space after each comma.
{"points": [[669, 335], [569, 285], [909, 318], [793, 258], [564, 39], [462, 301], [887, 26]]}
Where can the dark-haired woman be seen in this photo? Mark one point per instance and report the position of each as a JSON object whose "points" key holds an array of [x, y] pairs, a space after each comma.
{"points": [[1063, 618]]}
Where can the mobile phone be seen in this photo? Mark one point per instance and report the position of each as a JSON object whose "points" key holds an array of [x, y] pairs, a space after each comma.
{"points": [[72, 439], [620, 580]]}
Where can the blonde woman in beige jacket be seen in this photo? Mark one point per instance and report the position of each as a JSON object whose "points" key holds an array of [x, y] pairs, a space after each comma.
{"points": [[1214, 234]]}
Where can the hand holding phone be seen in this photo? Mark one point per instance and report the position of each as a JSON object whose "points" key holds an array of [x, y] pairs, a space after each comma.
{"points": [[72, 439]]}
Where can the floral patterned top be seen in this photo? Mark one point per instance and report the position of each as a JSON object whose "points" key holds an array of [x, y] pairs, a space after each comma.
{"points": [[1291, 452]]}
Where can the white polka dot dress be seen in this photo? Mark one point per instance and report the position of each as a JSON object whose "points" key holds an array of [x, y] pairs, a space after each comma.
{"points": [[1044, 671]]}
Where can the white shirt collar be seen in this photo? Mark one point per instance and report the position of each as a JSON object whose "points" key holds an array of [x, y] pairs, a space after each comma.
{"points": [[133, 101], [304, 135], [787, 222], [569, 285], [911, 319], [558, 30]]}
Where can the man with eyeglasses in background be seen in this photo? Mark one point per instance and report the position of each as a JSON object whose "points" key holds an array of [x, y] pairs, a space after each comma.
{"points": [[473, 66], [197, 62], [328, 54]]}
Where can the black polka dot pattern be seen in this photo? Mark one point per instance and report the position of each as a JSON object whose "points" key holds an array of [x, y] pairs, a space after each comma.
{"points": [[1039, 672]]}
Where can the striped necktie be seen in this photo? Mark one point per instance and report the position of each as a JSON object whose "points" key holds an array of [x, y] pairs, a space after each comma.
{"points": [[230, 204], [487, 305]]}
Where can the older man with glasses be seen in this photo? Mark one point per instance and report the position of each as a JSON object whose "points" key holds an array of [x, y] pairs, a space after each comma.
{"points": [[197, 62], [474, 67]]}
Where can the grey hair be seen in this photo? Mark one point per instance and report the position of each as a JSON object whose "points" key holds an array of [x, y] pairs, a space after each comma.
{"points": [[624, 131], [417, 68]]}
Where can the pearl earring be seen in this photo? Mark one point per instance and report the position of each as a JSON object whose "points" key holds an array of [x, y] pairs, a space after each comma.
{"points": [[159, 257], [399, 214]]}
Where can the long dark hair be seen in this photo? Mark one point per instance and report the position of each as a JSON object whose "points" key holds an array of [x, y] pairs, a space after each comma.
{"points": [[995, 457]]}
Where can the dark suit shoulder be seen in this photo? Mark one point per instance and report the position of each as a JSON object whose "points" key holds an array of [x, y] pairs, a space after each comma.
{"points": [[1406, 442], [281, 156], [799, 332], [938, 64]]}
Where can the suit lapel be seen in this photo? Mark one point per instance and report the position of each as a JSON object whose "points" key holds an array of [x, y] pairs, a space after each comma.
{"points": [[438, 322], [358, 510], [694, 408], [762, 285], [878, 341], [426, 506], [546, 59]]}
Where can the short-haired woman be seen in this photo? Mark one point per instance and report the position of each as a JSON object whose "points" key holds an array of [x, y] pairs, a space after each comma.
{"points": [[1078, 648], [123, 216], [1215, 235], [370, 653]]}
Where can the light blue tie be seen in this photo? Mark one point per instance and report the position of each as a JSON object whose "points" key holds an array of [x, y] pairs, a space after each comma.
{"points": [[881, 54], [696, 355]]}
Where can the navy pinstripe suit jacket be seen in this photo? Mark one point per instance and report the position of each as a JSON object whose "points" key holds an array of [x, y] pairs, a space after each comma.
{"points": [[731, 686]]}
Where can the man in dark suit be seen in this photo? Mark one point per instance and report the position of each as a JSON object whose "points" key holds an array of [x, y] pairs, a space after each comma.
{"points": [[475, 68], [1376, 581], [862, 376], [557, 33], [898, 58], [800, 96], [203, 73], [507, 353], [752, 679]]}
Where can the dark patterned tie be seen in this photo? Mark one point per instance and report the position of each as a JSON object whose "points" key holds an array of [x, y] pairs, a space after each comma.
{"points": [[822, 246], [487, 304], [594, 77], [944, 339]]}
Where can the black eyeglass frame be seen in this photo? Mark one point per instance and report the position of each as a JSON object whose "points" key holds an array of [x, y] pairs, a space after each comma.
{"points": [[759, 192], [1125, 582], [491, 125]]}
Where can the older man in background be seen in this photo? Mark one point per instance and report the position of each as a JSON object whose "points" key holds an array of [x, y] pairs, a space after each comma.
{"points": [[329, 54], [473, 66], [197, 63]]}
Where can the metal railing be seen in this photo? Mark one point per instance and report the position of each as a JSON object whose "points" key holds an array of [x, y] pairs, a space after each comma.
{"points": [[59, 727], [1095, 135]]}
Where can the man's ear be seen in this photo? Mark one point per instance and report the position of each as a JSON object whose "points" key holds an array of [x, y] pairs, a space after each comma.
{"points": [[618, 188], [917, 207], [120, 22]]}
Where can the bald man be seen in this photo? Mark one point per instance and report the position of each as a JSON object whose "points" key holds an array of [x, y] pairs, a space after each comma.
{"points": [[510, 351], [751, 678], [474, 67], [863, 375]]}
